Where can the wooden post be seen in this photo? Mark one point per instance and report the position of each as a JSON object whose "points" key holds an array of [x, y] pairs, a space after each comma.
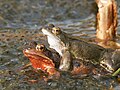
{"points": [[106, 20]]}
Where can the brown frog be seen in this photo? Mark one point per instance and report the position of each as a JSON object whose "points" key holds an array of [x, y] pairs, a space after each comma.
{"points": [[38, 57], [69, 48], [48, 61]]}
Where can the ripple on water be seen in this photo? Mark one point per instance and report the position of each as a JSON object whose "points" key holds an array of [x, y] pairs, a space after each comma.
{"points": [[22, 25]]}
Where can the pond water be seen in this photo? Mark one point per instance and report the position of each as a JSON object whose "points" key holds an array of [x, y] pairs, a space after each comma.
{"points": [[20, 22]]}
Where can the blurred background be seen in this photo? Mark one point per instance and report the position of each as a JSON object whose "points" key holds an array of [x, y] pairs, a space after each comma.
{"points": [[21, 20]]}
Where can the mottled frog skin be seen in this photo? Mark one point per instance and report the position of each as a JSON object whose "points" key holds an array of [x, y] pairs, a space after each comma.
{"points": [[48, 61], [69, 48], [38, 56]]}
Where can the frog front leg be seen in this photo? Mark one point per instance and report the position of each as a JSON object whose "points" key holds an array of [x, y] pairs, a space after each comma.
{"points": [[65, 63]]}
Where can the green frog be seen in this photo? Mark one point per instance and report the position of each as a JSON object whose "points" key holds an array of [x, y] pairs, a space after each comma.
{"points": [[69, 48]]}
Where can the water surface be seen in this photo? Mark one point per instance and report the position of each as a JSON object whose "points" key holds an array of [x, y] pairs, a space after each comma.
{"points": [[20, 22]]}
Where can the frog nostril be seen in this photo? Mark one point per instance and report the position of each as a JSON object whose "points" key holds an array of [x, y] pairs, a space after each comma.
{"points": [[29, 48], [40, 29], [51, 25], [26, 50]]}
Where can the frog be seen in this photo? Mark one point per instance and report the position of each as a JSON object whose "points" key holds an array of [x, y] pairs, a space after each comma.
{"points": [[48, 61], [38, 56], [69, 47]]}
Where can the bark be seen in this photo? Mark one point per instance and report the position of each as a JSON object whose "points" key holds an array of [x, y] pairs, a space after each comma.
{"points": [[106, 20]]}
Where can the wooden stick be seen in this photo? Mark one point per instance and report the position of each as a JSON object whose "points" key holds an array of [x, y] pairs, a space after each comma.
{"points": [[106, 20]]}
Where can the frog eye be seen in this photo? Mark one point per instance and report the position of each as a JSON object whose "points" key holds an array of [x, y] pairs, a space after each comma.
{"points": [[56, 30], [40, 47]]}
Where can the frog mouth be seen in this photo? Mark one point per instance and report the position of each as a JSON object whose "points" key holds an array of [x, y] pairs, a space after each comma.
{"points": [[46, 32], [107, 66], [30, 53], [53, 41], [37, 60]]}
